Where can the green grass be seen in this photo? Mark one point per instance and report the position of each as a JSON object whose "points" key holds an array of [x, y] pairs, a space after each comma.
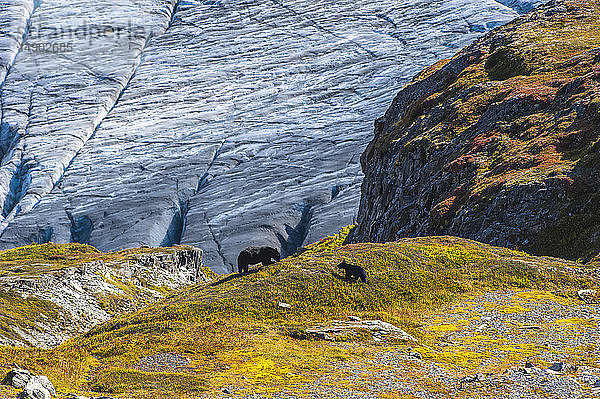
{"points": [[23, 313], [234, 327]]}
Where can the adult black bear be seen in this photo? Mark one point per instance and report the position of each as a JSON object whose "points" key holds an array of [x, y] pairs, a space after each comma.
{"points": [[256, 255], [353, 271]]}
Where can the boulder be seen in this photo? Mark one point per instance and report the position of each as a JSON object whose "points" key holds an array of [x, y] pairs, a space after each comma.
{"points": [[17, 378], [35, 390], [528, 365], [35, 386], [43, 381], [557, 367], [375, 327]]}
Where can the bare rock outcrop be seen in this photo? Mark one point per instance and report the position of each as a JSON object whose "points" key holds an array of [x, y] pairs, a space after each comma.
{"points": [[69, 300]]}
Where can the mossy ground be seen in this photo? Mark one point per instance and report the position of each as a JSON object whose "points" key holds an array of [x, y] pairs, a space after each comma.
{"points": [[23, 313], [234, 332]]}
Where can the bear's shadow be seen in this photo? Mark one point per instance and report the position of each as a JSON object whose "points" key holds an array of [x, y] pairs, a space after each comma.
{"points": [[234, 276], [343, 277]]}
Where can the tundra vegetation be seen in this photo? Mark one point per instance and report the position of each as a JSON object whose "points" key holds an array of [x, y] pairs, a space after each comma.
{"points": [[253, 331], [232, 331]]}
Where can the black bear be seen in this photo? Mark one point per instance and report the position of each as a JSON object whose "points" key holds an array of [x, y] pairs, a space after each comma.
{"points": [[256, 255], [353, 271]]}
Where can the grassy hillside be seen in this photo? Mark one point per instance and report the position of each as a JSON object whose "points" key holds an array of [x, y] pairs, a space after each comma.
{"points": [[232, 331]]}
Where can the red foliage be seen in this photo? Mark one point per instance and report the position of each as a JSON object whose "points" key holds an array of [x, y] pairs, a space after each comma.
{"points": [[539, 93], [481, 142], [462, 162], [444, 207]]}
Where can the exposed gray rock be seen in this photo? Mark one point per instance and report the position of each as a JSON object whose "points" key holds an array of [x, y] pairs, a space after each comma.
{"points": [[40, 383], [214, 123], [45, 382], [433, 171], [522, 6], [17, 378], [589, 376], [321, 335], [163, 362], [562, 367], [540, 384], [557, 367], [181, 267], [588, 296], [73, 396], [79, 291], [531, 369], [34, 386], [376, 327], [34, 391], [471, 379], [530, 327], [529, 365]]}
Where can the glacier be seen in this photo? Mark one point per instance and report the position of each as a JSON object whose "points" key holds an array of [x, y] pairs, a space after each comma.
{"points": [[213, 123]]}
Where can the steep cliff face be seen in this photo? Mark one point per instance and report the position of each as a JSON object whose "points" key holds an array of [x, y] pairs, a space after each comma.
{"points": [[499, 144]]}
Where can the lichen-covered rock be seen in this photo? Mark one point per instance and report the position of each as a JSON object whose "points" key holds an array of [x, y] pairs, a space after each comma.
{"points": [[499, 144]]}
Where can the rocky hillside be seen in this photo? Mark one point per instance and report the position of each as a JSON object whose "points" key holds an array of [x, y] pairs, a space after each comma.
{"points": [[498, 144], [50, 293], [439, 317]]}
